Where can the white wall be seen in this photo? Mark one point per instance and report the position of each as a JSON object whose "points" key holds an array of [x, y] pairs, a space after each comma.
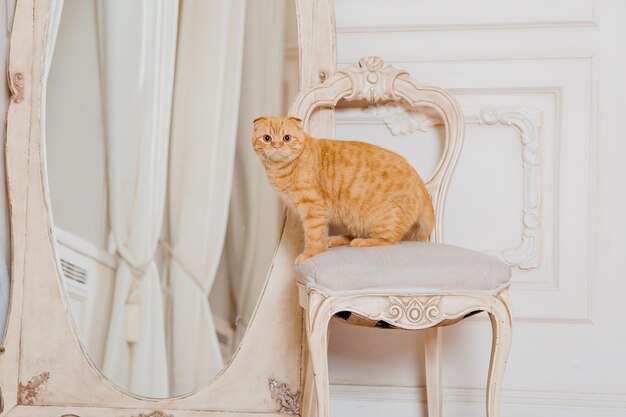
{"points": [[75, 143], [540, 87], [256, 211], [75, 158]]}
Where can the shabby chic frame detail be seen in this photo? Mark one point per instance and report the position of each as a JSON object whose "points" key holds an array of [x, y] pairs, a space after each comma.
{"points": [[157, 413], [288, 401], [28, 393], [41, 335]]}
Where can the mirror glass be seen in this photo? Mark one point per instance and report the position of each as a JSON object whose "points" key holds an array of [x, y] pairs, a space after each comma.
{"points": [[165, 225]]}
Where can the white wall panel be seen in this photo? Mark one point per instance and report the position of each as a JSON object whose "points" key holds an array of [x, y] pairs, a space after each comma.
{"points": [[74, 131], [403, 15], [537, 82]]}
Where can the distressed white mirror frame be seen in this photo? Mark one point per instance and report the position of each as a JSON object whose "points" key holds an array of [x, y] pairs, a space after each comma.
{"points": [[44, 369]]}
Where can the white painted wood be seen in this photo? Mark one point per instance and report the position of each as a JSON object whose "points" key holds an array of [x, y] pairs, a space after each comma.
{"points": [[317, 47], [501, 319], [317, 56], [432, 358]]}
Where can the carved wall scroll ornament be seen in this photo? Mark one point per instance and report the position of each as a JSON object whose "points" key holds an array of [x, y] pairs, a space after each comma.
{"points": [[528, 122], [401, 119], [27, 394], [289, 402], [16, 85]]}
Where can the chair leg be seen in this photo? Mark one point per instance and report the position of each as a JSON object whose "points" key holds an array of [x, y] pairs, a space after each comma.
{"points": [[501, 323], [318, 317], [308, 404], [432, 349]]}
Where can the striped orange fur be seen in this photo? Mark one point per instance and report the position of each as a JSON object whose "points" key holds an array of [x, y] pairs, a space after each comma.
{"points": [[373, 193]]}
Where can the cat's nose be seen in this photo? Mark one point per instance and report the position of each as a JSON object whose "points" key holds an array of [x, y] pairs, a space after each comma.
{"points": [[277, 145]]}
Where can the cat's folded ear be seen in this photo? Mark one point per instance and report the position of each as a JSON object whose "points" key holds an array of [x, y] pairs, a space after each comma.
{"points": [[296, 120], [258, 121]]}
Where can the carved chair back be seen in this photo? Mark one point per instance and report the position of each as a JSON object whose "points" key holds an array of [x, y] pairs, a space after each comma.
{"points": [[370, 80]]}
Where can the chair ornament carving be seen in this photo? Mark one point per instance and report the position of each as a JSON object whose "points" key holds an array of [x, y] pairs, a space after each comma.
{"points": [[372, 80]]}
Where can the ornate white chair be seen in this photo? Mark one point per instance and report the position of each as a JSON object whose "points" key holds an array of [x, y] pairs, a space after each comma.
{"points": [[412, 285]]}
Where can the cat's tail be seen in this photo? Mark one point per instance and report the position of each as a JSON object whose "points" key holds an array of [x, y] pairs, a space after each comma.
{"points": [[424, 225]]}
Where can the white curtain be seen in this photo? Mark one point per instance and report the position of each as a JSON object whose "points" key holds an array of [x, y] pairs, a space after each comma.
{"points": [[256, 211], [204, 126], [53, 31], [138, 42]]}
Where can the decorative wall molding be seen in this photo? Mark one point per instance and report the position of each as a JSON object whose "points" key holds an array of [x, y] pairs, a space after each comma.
{"points": [[28, 394], [289, 402], [378, 17], [369, 401], [528, 122], [402, 119]]}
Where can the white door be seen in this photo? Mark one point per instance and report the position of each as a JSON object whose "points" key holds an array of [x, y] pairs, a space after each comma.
{"points": [[540, 184]]}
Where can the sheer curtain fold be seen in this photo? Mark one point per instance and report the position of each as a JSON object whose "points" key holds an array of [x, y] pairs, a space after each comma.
{"points": [[138, 50], [201, 162], [256, 211]]}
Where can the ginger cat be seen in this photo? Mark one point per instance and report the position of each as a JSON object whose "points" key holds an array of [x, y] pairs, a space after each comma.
{"points": [[373, 193]]}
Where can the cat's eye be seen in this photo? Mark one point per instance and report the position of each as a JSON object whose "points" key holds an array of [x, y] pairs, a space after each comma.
{"points": [[267, 138], [286, 138]]}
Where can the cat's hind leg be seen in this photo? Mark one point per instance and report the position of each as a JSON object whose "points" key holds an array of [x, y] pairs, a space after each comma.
{"points": [[339, 240], [364, 242], [423, 227], [388, 228], [388, 235]]}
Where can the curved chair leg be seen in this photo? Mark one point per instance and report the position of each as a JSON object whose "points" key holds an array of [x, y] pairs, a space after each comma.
{"points": [[432, 349], [318, 317], [501, 322]]}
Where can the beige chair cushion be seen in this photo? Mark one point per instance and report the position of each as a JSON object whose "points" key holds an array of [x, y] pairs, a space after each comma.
{"points": [[405, 268]]}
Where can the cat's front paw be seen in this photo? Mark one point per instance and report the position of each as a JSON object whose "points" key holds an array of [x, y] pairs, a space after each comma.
{"points": [[339, 240], [302, 257]]}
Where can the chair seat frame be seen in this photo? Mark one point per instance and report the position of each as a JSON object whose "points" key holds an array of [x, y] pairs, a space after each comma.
{"points": [[371, 81]]}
